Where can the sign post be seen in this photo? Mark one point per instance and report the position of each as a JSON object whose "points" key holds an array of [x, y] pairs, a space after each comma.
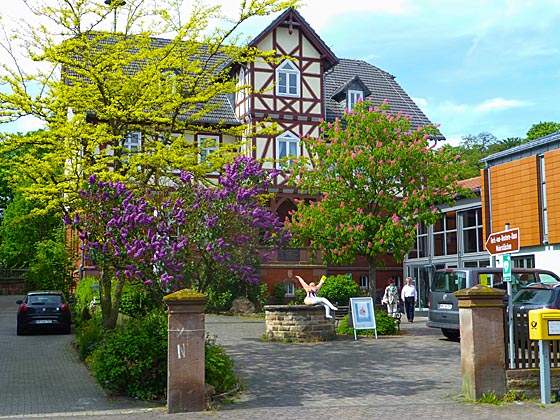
{"points": [[503, 243], [506, 262]]}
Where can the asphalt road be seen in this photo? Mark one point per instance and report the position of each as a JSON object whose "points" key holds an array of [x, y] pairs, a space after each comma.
{"points": [[412, 376]]}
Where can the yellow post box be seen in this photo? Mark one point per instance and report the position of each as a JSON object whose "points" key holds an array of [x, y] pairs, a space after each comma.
{"points": [[544, 324]]}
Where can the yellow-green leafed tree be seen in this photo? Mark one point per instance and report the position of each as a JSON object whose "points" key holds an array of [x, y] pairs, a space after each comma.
{"points": [[103, 71]]}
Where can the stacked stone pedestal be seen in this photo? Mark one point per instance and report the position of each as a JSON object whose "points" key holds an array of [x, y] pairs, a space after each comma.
{"points": [[298, 323]]}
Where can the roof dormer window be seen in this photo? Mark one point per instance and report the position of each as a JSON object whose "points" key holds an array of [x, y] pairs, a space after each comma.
{"points": [[287, 79], [353, 97]]}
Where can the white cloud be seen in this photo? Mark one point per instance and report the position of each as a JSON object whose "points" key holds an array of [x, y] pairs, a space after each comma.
{"points": [[499, 104], [23, 125]]}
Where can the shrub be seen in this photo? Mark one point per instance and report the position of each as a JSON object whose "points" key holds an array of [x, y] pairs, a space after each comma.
{"points": [[279, 293], [132, 360], [258, 294], [299, 296], [219, 367], [219, 301], [339, 289], [137, 302], [385, 326], [83, 296], [88, 335]]}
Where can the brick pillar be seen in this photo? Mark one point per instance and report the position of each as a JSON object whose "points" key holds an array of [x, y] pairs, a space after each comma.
{"points": [[481, 318], [185, 351]]}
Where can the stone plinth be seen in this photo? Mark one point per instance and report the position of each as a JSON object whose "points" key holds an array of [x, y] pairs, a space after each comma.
{"points": [[185, 352], [298, 323], [481, 318]]}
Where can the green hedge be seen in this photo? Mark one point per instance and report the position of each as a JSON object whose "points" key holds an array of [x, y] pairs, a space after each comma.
{"points": [[385, 326]]}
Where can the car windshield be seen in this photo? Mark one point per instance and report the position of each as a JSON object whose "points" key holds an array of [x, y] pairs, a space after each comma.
{"points": [[548, 278], [534, 296], [44, 300], [449, 281]]}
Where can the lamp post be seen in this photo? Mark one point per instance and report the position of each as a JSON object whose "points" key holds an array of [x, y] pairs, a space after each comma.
{"points": [[114, 4]]}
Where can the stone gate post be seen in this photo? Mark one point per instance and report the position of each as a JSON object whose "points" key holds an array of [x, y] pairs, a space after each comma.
{"points": [[185, 351], [481, 319]]}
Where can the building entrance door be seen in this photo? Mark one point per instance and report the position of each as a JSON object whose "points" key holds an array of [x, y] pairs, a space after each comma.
{"points": [[421, 275]]}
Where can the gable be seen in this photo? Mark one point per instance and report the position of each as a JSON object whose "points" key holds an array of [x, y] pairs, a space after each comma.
{"points": [[284, 26]]}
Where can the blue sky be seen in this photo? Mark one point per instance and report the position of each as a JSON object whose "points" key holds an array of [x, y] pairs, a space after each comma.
{"points": [[472, 66]]}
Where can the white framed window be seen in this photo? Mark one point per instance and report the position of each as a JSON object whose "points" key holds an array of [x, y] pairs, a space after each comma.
{"points": [[240, 83], [525, 261], [287, 79], [168, 82], [290, 289], [133, 142], [287, 147], [208, 144], [364, 282], [131, 145], [472, 230], [353, 97]]}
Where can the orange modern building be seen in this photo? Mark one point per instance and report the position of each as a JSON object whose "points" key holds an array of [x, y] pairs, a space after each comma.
{"points": [[519, 187]]}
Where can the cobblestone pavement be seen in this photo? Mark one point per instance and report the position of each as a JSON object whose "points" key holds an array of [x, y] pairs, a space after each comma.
{"points": [[412, 376], [41, 374]]}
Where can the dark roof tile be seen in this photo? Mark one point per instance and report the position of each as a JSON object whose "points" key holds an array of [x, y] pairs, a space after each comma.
{"points": [[381, 84]]}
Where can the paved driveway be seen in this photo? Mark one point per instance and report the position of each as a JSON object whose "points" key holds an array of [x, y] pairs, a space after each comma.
{"points": [[42, 375]]}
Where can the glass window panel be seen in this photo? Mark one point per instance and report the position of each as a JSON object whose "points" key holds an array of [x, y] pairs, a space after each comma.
{"points": [[470, 240], [292, 77], [451, 220], [282, 82], [451, 243], [282, 146], [439, 245], [422, 246], [469, 218], [439, 225], [293, 148]]}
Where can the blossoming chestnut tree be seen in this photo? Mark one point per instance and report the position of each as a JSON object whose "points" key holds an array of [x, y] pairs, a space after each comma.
{"points": [[378, 179]]}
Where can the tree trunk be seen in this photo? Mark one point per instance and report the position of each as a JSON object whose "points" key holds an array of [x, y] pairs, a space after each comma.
{"points": [[105, 297], [372, 278], [110, 300]]}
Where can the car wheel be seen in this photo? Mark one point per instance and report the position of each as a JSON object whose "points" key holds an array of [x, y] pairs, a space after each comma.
{"points": [[451, 334], [20, 330]]}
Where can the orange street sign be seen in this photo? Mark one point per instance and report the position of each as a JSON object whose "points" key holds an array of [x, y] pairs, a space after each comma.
{"points": [[503, 242]]}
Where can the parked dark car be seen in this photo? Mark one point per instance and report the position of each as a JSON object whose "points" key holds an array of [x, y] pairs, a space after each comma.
{"points": [[533, 296], [537, 296], [43, 310]]}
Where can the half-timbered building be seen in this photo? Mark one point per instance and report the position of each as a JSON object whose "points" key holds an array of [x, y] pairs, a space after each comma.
{"points": [[297, 93]]}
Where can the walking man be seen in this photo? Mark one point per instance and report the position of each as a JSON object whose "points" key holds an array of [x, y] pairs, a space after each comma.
{"points": [[409, 296]]}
